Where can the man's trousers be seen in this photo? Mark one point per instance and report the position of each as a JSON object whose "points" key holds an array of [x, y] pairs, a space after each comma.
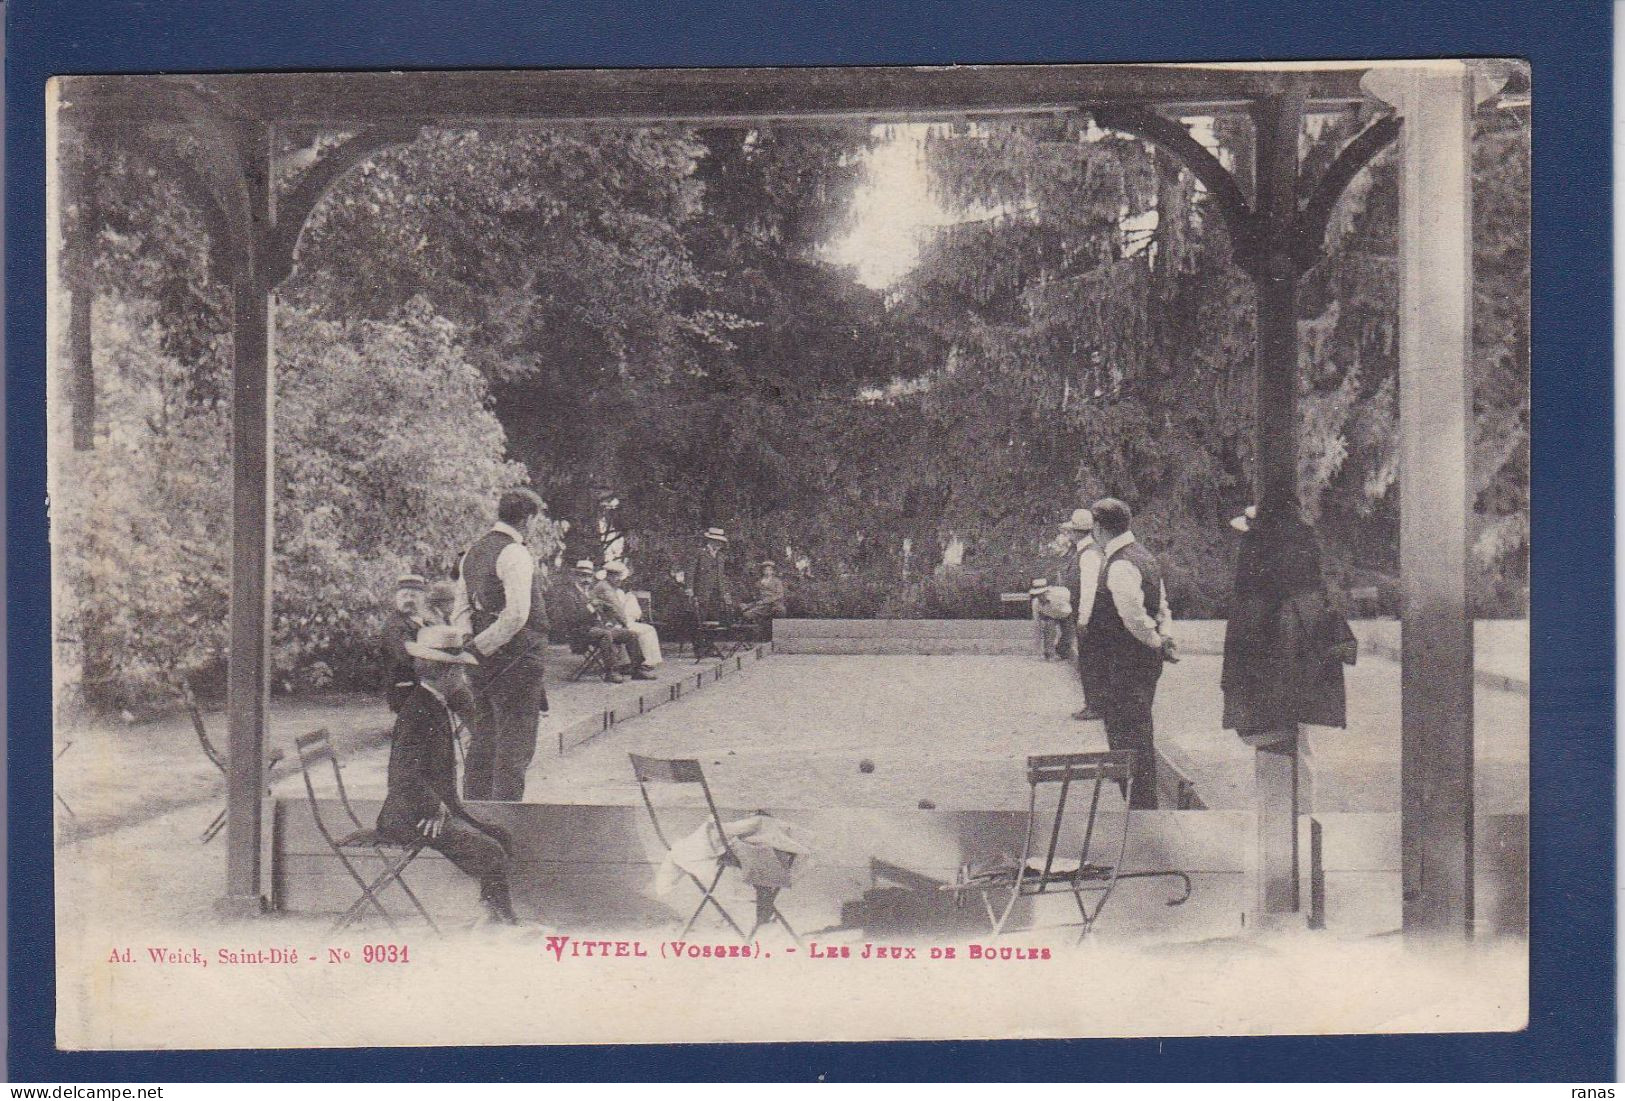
{"points": [[1091, 667], [512, 697], [1129, 687]]}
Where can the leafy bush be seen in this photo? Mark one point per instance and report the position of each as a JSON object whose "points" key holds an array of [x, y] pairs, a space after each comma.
{"points": [[388, 458]]}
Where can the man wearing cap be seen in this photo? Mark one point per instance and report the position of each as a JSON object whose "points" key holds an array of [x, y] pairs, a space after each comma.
{"points": [[499, 601], [582, 622], [402, 627], [421, 806], [1081, 528], [1128, 636], [708, 587]]}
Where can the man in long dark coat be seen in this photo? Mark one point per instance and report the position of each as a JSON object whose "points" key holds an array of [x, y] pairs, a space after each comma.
{"points": [[1284, 641], [708, 586]]}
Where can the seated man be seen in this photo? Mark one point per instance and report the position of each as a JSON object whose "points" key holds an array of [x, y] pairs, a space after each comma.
{"points": [[621, 603], [769, 602], [579, 621], [422, 803]]}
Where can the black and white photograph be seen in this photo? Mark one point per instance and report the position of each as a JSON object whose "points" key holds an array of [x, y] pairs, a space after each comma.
{"points": [[584, 556]]}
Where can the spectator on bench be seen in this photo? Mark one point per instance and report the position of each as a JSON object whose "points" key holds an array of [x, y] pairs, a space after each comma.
{"points": [[580, 621], [769, 602], [613, 596]]}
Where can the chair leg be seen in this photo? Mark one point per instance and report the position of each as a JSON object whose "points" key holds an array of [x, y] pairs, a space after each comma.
{"points": [[367, 896], [214, 827], [777, 913], [1009, 907], [710, 898], [399, 877]]}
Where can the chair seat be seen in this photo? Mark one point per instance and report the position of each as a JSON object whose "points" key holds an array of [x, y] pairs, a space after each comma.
{"points": [[1064, 868], [372, 838]]}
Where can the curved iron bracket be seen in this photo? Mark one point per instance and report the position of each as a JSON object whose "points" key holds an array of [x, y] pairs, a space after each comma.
{"points": [[293, 209], [227, 231], [1309, 227], [1220, 183]]}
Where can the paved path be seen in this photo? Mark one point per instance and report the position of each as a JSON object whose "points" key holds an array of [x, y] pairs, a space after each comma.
{"points": [[111, 775]]}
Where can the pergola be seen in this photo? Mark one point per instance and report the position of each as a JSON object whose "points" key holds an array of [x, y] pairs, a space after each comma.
{"points": [[221, 136]]}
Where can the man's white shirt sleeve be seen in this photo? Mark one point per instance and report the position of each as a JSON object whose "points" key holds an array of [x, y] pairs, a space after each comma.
{"points": [[1089, 561], [515, 568], [1124, 581]]}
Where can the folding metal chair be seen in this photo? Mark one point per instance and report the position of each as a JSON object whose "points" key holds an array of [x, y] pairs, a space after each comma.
{"points": [[657, 770], [1032, 875], [273, 765], [393, 856], [591, 665]]}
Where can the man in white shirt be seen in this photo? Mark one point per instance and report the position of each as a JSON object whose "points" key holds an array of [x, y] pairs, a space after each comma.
{"points": [[1128, 632], [499, 601], [1082, 529]]}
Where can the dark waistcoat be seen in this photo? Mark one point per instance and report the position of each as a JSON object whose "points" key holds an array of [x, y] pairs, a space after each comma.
{"points": [[487, 598], [1104, 617]]}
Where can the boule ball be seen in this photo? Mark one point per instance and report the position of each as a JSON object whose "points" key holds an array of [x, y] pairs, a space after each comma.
{"points": [[866, 765], [926, 804]]}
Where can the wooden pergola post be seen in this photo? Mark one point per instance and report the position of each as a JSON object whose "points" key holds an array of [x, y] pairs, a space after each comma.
{"points": [[1277, 123], [1435, 421], [248, 690]]}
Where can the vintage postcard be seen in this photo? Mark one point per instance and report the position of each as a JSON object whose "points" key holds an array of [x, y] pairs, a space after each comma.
{"points": [[621, 556]]}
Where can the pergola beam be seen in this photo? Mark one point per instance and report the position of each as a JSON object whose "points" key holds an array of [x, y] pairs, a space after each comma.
{"points": [[745, 96]]}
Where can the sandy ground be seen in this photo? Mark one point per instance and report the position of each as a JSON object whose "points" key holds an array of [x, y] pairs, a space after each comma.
{"points": [[952, 730], [788, 732]]}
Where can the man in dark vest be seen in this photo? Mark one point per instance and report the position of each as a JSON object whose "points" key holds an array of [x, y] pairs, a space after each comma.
{"points": [[1128, 636], [499, 602]]}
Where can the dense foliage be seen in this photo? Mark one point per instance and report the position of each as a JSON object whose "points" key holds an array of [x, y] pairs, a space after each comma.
{"points": [[644, 324]]}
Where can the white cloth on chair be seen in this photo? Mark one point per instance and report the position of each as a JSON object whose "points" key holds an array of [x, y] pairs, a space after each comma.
{"points": [[648, 637], [698, 853]]}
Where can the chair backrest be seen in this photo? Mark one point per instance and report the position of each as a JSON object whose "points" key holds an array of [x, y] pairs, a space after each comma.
{"points": [[316, 749], [215, 757], [1067, 769], [673, 770], [646, 602]]}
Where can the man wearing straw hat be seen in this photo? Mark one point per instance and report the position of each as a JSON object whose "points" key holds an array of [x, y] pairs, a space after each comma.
{"points": [[422, 805], [1081, 528], [708, 587], [1052, 615], [500, 602], [580, 619]]}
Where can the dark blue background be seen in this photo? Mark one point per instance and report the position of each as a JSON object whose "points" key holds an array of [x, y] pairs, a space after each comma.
{"points": [[1570, 1038]]}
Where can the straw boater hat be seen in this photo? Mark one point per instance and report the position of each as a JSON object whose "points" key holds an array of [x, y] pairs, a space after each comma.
{"points": [[584, 565], [1040, 584], [438, 642], [716, 535], [1082, 520], [411, 581], [617, 569]]}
